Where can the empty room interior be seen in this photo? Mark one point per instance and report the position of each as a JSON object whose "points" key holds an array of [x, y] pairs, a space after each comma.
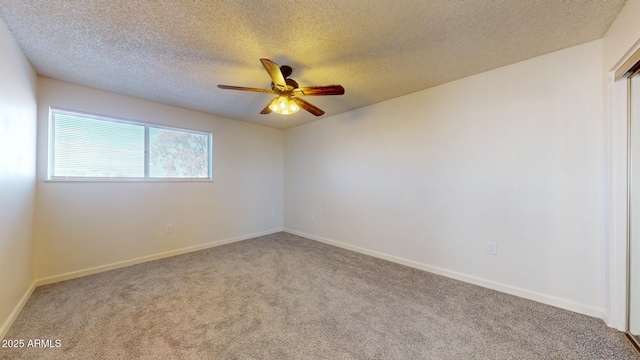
{"points": [[304, 179]]}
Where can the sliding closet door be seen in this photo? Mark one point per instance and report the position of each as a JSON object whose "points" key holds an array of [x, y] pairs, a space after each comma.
{"points": [[634, 205]]}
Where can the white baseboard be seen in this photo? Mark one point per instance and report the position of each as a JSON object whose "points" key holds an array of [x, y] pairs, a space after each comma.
{"points": [[16, 310], [512, 290], [125, 263]]}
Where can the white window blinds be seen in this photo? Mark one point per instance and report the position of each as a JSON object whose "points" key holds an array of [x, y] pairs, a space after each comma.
{"points": [[91, 147]]}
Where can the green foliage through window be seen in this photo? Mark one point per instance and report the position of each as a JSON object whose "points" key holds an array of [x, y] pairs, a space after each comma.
{"points": [[175, 153]]}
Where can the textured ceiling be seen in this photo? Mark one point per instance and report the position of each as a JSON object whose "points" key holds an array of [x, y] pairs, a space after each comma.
{"points": [[176, 52]]}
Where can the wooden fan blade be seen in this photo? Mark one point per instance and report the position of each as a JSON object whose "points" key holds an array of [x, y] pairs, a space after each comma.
{"points": [[266, 110], [274, 72], [242, 88], [320, 90], [309, 107]]}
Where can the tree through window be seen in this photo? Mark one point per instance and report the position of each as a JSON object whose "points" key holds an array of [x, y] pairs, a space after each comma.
{"points": [[180, 154]]}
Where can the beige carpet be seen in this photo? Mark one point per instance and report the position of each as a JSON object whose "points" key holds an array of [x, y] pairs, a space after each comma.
{"points": [[285, 297]]}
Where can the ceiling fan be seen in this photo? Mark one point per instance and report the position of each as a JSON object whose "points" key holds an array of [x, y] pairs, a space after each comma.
{"points": [[288, 91]]}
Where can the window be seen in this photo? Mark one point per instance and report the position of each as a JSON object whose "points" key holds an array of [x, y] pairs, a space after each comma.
{"points": [[98, 147]]}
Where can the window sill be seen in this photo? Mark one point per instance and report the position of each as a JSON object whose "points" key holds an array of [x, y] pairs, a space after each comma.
{"points": [[125, 180]]}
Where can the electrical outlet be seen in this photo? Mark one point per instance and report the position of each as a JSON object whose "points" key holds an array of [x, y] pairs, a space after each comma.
{"points": [[312, 217], [168, 229], [492, 248], [273, 212]]}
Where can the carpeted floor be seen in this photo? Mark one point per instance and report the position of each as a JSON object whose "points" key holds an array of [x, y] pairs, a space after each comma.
{"points": [[285, 297]]}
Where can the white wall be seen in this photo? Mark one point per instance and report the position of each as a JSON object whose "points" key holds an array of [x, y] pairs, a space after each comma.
{"points": [[623, 35], [512, 156], [621, 40], [17, 176], [92, 226]]}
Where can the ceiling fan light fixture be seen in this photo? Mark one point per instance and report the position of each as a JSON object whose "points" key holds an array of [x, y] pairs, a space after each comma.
{"points": [[274, 105], [284, 105]]}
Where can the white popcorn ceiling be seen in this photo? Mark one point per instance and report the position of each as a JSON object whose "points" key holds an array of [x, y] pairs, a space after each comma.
{"points": [[176, 52]]}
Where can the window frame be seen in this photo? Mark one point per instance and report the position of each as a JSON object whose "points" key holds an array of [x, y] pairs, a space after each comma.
{"points": [[146, 178]]}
